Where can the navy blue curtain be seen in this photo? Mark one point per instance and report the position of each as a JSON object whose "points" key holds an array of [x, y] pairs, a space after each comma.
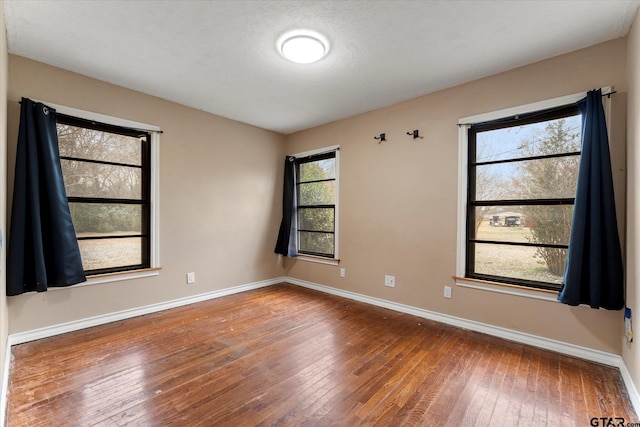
{"points": [[287, 243], [43, 249], [594, 274]]}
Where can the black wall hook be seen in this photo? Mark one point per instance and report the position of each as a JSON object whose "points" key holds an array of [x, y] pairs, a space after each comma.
{"points": [[415, 133], [382, 137]]}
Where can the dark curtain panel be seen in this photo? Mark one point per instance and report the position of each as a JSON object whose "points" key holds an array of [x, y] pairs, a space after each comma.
{"points": [[287, 236], [594, 273], [43, 249]]}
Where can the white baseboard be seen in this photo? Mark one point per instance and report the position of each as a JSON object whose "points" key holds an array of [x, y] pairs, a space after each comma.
{"points": [[63, 328], [5, 383], [585, 353], [598, 356], [49, 331], [634, 396], [580, 352]]}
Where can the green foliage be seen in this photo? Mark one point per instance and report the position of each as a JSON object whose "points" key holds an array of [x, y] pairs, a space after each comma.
{"points": [[317, 220], [105, 218], [96, 180], [550, 178]]}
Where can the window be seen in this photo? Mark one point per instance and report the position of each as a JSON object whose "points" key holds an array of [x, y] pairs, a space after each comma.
{"points": [[108, 180], [316, 190], [521, 183]]}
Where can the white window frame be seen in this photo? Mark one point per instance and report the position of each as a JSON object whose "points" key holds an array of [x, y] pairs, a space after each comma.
{"points": [[463, 143], [317, 259], [154, 226]]}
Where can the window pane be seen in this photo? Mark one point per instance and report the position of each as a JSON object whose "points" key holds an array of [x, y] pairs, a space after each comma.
{"points": [[90, 219], [82, 179], [533, 179], [550, 225], [501, 223], [520, 262], [321, 243], [537, 139], [317, 193], [316, 219], [110, 253], [94, 144], [320, 169]]}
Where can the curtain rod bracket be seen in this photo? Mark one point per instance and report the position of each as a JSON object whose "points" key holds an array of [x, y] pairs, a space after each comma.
{"points": [[381, 138], [416, 134]]}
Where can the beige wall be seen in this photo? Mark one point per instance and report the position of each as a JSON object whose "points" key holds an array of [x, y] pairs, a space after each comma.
{"points": [[220, 198], [3, 190], [398, 199], [630, 353], [221, 184]]}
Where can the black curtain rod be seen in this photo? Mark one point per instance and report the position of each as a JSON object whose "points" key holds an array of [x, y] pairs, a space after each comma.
{"points": [[101, 123], [608, 95], [292, 158]]}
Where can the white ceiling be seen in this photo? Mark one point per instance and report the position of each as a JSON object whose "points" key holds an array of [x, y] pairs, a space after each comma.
{"points": [[221, 56]]}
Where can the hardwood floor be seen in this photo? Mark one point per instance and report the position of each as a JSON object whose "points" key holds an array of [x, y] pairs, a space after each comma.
{"points": [[290, 356]]}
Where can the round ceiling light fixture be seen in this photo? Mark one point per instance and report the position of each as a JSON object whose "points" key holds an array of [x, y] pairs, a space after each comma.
{"points": [[303, 46]]}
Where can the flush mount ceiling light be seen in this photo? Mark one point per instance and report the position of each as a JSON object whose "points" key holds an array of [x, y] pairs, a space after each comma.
{"points": [[303, 46]]}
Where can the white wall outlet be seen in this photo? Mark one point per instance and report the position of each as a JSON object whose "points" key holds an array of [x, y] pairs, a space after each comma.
{"points": [[390, 281], [191, 278], [447, 291], [343, 272]]}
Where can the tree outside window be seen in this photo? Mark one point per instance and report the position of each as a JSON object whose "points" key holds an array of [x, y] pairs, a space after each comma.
{"points": [[522, 184], [316, 187], [107, 178]]}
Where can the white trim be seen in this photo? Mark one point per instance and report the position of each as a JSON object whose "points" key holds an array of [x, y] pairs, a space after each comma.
{"points": [[317, 151], [109, 278], [593, 355], [318, 260], [336, 213], [463, 143], [5, 382], [509, 290], [154, 225], [528, 108], [102, 118], [632, 391], [49, 331], [336, 231], [585, 353], [63, 328], [462, 199]]}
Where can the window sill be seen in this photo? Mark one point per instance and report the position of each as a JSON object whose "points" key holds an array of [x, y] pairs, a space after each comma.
{"points": [[318, 259], [504, 288], [113, 277]]}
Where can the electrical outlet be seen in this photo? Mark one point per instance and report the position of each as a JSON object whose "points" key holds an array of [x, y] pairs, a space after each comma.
{"points": [[447, 291], [191, 278], [343, 272], [390, 281]]}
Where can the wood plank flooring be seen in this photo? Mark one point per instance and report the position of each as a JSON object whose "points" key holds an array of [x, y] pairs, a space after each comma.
{"points": [[290, 356]]}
